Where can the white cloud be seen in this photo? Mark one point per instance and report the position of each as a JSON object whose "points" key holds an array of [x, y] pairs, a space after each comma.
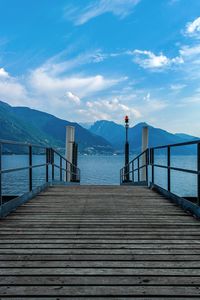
{"points": [[193, 28], [73, 98], [11, 90], [191, 56], [147, 97], [149, 60], [57, 90], [53, 92], [113, 109], [119, 8], [99, 57], [152, 104], [190, 100], [44, 83], [188, 52], [177, 87], [3, 73]]}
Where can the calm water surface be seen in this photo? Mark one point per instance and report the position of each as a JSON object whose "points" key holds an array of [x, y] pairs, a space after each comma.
{"points": [[103, 170]]}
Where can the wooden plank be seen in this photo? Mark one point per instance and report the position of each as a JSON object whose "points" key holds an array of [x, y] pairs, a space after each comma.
{"points": [[85, 246], [100, 280], [99, 298], [103, 257], [99, 242], [101, 271], [101, 264], [95, 242], [101, 290], [101, 251]]}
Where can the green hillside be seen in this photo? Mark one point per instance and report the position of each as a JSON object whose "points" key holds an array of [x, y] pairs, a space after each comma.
{"points": [[27, 125]]}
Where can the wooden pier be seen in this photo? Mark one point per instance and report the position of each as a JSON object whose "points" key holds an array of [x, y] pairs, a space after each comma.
{"points": [[98, 242]]}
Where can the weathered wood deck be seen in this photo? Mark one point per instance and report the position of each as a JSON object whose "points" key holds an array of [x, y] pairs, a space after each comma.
{"points": [[99, 242]]}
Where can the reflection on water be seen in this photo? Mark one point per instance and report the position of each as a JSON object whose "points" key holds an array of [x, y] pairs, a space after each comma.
{"points": [[102, 170]]}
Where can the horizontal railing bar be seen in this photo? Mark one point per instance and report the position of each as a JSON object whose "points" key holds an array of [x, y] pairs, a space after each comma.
{"points": [[65, 170], [32, 167], [176, 169], [7, 142], [14, 170], [64, 159], [23, 168], [177, 145], [38, 166], [49, 154], [133, 160], [144, 166], [150, 161], [136, 158]]}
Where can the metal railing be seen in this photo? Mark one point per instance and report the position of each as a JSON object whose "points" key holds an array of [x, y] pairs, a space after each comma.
{"points": [[131, 173], [171, 168], [127, 173], [52, 159]]}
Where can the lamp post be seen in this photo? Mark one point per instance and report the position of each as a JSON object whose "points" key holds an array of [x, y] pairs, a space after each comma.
{"points": [[126, 150]]}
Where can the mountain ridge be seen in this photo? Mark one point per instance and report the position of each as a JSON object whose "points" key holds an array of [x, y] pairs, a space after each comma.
{"points": [[30, 125], [33, 126], [116, 134]]}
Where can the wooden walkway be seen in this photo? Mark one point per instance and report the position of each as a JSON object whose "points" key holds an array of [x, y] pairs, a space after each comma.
{"points": [[99, 242]]}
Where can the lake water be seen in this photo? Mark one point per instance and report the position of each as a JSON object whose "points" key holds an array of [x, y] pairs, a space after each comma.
{"points": [[103, 170]]}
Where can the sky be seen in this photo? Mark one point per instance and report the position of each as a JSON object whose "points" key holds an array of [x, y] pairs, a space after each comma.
{"points": [[88, 60]]}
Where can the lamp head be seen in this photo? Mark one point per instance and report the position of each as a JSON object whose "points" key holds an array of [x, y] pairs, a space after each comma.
{"points": [[126, 120]]}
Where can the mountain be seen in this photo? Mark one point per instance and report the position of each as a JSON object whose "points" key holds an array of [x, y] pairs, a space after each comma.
{"points": [[33, 126], [115, 134], [86, 125], [112, 132], [187, 137]]}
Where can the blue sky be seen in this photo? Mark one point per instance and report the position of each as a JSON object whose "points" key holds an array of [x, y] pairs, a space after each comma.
{"points": [[85, 60]]}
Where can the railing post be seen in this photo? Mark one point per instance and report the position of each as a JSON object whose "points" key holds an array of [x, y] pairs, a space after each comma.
{"points": [[1, 198], [75, 161], [30, 170], [127, 173], [47, 164], [79, 175], [152, 165], [71, 172], [60, 168], [138, 163], [132, 171], [52, 164], [198, 175], [70, 137], [147, 164], [168, 169], [145, 142], [66, 170]]}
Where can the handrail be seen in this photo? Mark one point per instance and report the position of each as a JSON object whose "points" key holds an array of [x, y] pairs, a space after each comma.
{"points": [[137, 157], [129, 169], [26, 144], [177, 145], [150, 162], [60, 155], [64, 165]]}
